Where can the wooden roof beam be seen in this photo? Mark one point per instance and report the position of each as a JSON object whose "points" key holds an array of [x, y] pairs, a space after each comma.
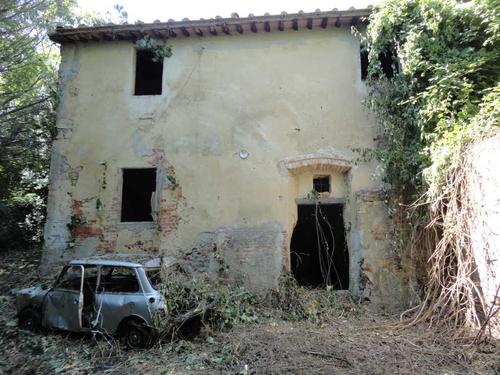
{"points": [[74, 38], [107, 36], [163, 34], [153, 34], [86, 37]]}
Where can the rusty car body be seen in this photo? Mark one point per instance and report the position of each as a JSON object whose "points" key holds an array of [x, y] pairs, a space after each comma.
{"points": [[114, 295]]}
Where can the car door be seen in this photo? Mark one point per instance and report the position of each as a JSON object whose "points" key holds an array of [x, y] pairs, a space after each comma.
{"points": [[119, 295], [62, 308]]}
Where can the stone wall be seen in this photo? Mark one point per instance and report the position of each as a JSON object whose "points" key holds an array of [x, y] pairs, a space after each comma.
{"points": [[484, 185], [250, 256], [382, 279]]}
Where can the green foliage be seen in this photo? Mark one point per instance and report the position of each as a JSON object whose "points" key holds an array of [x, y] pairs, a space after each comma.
{"points": [[74, 223], [173, 183], [446, 57], [28, 97], [117, 16], [296, 303], [217, 306], [160, 51]]}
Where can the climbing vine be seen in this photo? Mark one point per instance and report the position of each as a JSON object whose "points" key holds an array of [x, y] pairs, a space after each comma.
{"points": [[74, 223], [441, 97], [160, 51]]}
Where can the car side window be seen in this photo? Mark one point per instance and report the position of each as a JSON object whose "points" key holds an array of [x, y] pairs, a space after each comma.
{"points": [[116, 279], [154, 277], [70, 278]]}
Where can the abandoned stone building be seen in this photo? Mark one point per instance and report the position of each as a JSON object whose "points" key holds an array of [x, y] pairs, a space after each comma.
{"points": [[237, 148]]}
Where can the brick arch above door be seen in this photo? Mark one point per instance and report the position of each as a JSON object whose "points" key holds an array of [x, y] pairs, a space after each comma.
{"points": [[322, 160]]}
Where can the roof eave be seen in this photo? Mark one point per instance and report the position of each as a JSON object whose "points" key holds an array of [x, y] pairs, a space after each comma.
{"points": [[213, 27]]}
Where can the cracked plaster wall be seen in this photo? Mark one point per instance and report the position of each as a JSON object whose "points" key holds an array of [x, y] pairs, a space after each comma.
{"points": [[276, 95], [484, 185]]}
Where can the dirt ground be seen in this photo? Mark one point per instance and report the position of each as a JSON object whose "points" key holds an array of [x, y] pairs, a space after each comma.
{"points": [[351, 340]]}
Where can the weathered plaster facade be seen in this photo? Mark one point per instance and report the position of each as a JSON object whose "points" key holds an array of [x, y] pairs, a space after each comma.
{"points": [[292, 99], [484, 183]]}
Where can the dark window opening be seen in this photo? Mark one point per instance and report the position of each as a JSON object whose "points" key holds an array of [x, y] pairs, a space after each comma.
{"points": [[321, 184], [138, 188], [363, 55], [319, 254], [148, 74], [386, 60], [387, 63]]}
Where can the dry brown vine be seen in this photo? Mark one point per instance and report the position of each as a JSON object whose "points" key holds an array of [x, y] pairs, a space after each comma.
{"points": [[453, 298]]}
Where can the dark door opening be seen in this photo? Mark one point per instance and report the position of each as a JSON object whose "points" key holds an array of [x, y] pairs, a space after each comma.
{"points": [[319, 254]]}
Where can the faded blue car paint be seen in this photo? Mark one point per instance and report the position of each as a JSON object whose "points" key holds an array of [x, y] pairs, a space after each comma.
{"points": [[63, 308]]}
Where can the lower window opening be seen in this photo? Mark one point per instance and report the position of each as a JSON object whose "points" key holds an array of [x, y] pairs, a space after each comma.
{"points": [[319, 256], [137, 190]]}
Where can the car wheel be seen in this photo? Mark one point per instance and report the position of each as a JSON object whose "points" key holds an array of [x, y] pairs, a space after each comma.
{"points": [[137, 335], [30, 320]]}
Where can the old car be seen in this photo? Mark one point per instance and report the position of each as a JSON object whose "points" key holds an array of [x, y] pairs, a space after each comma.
{"points": [[113, 295]]}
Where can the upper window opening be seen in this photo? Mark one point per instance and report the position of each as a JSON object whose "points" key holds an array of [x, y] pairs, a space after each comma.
{"points": [[363, 55], [321, 184], [387, 63], [138, 188], [148, 74]]}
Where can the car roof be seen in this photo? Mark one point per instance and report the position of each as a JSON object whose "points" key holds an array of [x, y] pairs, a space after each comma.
{"points": [[126, 260]]}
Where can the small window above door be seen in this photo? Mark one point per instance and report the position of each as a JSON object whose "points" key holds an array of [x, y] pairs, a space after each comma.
{"points": [[321, 184]]}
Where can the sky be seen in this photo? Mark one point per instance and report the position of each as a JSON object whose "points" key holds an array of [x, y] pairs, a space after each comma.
{"points": [[150, 10]]}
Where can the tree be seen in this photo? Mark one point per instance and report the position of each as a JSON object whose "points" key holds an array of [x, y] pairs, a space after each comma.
{"points": [[28, 97]]}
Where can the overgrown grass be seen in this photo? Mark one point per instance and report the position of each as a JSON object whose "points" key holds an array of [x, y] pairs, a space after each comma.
{"points": [[195, 303]]}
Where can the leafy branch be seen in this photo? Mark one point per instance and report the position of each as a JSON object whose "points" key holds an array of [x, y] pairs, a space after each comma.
{"points": [[160, 51]]}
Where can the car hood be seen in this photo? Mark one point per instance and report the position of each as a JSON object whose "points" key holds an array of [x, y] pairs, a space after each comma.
{"points": [[30, 297]]}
